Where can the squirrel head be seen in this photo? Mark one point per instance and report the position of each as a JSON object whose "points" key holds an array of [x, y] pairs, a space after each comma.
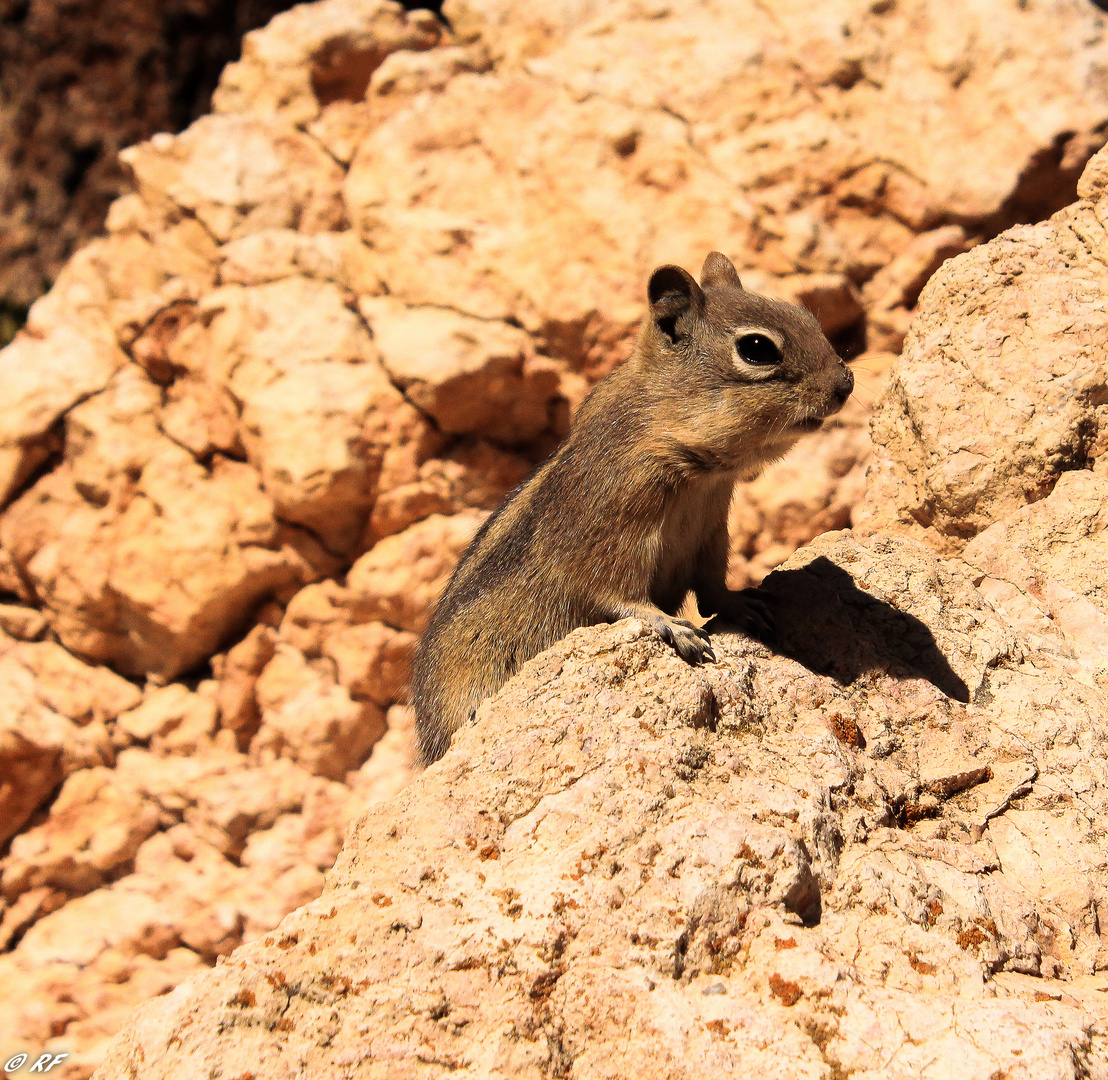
{"points": [[741, 376]]}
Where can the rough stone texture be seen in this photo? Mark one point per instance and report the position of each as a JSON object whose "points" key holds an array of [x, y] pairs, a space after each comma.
{"points": [[229, 466], [81, 80], [863, 861], [1010, 339], [768, 128], [54, 712], [1051, 559]]}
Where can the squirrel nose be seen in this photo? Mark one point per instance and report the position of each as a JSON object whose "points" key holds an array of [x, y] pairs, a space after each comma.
{"points": [[844, 383]]}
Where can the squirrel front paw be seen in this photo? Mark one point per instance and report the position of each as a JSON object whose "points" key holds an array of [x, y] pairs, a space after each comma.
{"points": [[692, 644]]}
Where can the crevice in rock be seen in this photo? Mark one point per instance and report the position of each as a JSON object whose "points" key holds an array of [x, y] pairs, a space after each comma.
{"points": [[425, 5], [13, 317], [54, 447], [1048, 182]]}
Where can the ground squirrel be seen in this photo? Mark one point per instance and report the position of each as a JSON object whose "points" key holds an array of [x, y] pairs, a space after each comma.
{"points": [[630, 513]]}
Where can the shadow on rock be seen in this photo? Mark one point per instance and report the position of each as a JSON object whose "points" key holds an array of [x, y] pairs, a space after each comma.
{"points": [[833, 627]]}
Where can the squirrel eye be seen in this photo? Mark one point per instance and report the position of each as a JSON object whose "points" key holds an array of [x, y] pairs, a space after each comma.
{"points": [[758, 349]]}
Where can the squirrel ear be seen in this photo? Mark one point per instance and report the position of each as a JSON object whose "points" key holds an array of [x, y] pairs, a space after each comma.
{"points": [[719, 270], [672, 292]]}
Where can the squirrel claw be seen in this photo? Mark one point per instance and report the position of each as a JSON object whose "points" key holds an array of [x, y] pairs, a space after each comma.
{"points": [[692, 643]]}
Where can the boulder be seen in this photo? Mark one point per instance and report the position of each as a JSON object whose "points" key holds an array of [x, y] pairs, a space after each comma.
{"points": [[1003, 385], [845, 862], [874, 849]]}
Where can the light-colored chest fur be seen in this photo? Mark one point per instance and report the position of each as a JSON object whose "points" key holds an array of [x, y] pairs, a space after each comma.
{"points": [[694, 520]]}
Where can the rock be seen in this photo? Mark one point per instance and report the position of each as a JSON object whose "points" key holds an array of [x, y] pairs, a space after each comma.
{"points": [[268, 175], [309, 58], [312, 615], [220, 795], [1021, 360], [274, 254], [391, 766], [306, 717], [232, 278], [767, 865], [24, 623], [265, 474], [80, 82], [238, 673], [241, 847], [892, 292], [45, 375], [832, 298], [456, 203], [73, 689], [100, 996], [372, 660], [94, 829], [39, 746], [192, 550], [472, 376], [172, 718], [401, 578], [304, 409], [473, 474], [1047, 564]]}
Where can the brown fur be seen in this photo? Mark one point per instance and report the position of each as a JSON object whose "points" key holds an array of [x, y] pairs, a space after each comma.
{"points": [[630, 513]]}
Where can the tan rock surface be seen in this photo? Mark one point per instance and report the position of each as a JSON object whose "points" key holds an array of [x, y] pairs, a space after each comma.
{"points": [[150, 576], [1047, 568], [1031, 370], [44, 377], [764, 868], [93, 831], [471, 376], [50, 725], [306, 717], [364, 172], [309, 57], [855, 855], [400, 579], [715, 135]]}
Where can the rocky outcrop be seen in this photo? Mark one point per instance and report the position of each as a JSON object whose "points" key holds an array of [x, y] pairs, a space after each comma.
{"points": [[860, 861], [250, 411], [233, 480], [1026, 358], [875, 850]]}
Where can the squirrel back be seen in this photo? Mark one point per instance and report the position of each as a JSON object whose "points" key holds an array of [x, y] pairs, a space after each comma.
{"points": [[630, 513]]}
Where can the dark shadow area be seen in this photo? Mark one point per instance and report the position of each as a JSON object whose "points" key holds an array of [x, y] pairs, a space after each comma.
{"points": [[851, 342], [12, 319], [1047, 184], [80, 81], [832, 627]]}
